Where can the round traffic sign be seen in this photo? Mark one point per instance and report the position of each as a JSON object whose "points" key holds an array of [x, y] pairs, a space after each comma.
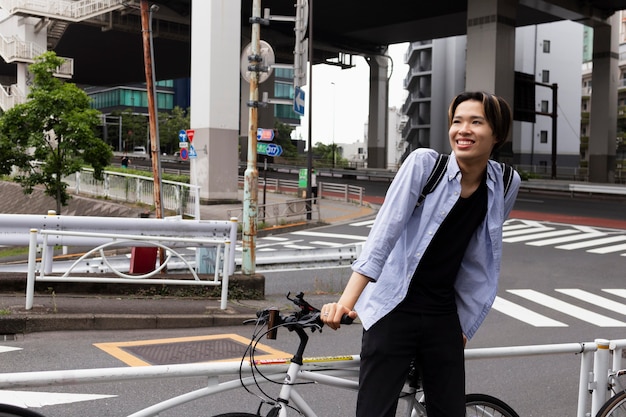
{"points": [[184, 154], [268, 58]]}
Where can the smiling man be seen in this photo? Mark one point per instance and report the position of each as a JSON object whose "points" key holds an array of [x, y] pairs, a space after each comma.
{"points": [[428, 273]]}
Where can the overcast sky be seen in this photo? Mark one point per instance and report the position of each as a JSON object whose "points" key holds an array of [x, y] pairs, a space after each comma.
{"points": [[340, 111]]}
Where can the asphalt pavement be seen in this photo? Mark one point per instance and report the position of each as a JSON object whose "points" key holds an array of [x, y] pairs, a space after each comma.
{"points": [[62, 306]]}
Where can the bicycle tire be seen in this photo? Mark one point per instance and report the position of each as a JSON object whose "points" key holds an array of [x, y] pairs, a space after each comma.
{"points": [[237, 415], [7, 410], [483, 405], [614, 407]]}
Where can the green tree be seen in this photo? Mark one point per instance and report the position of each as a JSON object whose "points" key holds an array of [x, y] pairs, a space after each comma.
{"points": [[52, 135], [169, 126], [283, 138]]}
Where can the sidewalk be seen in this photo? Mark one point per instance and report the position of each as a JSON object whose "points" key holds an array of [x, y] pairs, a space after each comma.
{"points": [[61, 310]]}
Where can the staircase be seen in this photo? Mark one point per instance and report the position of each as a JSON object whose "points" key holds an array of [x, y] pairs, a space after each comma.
{"points": [[71, 11]]}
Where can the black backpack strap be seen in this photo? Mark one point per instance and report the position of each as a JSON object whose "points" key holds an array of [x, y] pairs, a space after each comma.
{"points": [[507, 176], [435, 177]]}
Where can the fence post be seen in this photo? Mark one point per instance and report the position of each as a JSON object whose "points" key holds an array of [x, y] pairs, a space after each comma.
{"points": [[585, 378], [30, 277], [600, 375], [225, 273]]}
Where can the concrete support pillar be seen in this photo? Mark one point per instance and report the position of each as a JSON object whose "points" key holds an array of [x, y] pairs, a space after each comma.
{"points": [[378, 114], [215, 96], [490, 62], [603, 117]]}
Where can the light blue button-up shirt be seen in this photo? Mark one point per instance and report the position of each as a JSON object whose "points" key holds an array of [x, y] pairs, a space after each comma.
{"points": [[401, 234]]}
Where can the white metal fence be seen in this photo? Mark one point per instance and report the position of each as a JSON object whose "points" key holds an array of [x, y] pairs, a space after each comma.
{"points": [[598, 359], [181, 198]]}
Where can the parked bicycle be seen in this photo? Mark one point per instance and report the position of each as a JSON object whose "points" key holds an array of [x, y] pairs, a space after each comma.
{"points": [[616, 405], [307, 318]]}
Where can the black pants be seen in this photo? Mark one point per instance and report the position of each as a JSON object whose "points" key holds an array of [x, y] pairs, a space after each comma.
{"points": [[435, 341]]}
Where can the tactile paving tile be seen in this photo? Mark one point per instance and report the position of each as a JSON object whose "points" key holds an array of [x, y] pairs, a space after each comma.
{"points": [[188, 352]]}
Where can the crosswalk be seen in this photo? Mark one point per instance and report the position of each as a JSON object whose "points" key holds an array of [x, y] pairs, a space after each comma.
{"points": [[593, 240], [565, 237], [599, 309]]}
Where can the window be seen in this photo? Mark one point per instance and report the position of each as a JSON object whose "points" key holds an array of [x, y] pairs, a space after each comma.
{"points": [[543, 136], [546, 47], [545, 76], [544, 106]]}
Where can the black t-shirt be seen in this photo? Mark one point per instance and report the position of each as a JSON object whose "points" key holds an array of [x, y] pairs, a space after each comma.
{"points": [[432, 286]]}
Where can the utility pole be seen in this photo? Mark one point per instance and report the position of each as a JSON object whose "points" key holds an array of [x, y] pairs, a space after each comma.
{"points": [[251, 175], [146, 31]]}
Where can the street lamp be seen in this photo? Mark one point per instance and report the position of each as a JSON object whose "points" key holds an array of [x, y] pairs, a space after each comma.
{"points": [[334, 104]]}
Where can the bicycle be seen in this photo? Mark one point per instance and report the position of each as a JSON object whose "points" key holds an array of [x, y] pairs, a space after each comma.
{"points": [[306, 318], [616, 405], [7, 410]]}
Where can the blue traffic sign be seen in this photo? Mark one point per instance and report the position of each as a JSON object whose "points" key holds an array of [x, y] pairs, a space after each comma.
{"points": [[182, 136], [192, 152], [269, 149], [265, 134], [298, 101], [184, 154]]}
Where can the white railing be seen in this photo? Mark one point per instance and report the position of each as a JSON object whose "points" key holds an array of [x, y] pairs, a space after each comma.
{"points": [[74, 11], [184, 199], [223, 265], [14, 49], [10, 96], [595, 368]]}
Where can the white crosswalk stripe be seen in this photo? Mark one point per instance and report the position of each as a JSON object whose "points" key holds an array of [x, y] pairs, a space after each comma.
{"points": [[565, 237], [524, 314], [594, 299], [567, 308]]}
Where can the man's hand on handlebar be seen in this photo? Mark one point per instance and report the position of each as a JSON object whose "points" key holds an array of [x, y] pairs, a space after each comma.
{"points": [[333, 314]]}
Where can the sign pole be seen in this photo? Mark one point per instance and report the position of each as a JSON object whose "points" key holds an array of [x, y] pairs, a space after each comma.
{"points": [[251, 175]]}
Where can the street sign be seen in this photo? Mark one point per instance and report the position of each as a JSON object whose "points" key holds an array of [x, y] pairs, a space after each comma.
{"points": [[192, 152], [190, 133], [265, 135], [184, 154], [182, 136], [183, 144], [269, 149], [298, 101]]}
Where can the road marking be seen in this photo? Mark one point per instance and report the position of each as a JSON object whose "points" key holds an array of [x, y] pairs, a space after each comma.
{"points": [[595, 242], [4, 349], [363, 223], [559, 240], [30, 399], [523, 314], [526, 231], [594, 299], [619, 292], [569, 309], [117, 349], [329, 244], [329, 235], [609, 249], [540, 235]]}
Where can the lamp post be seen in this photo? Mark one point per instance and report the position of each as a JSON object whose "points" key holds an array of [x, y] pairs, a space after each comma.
{"points": [[334, 108]]}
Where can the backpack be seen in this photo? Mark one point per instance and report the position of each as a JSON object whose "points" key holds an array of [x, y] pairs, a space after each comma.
{"points": [[440, 168]]}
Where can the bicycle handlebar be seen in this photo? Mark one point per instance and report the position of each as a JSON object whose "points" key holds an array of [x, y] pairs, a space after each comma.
{"points": [[306, 317]]}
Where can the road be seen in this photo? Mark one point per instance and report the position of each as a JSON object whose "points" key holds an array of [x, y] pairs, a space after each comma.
{"points": [[546, 279], [560, 283]]}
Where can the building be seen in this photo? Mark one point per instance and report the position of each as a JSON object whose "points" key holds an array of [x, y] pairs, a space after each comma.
{"points": [[436, 75]]}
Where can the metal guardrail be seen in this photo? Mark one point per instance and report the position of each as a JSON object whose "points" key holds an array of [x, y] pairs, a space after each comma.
{"points": [[224, 263], [595, 364], [183, 199]]}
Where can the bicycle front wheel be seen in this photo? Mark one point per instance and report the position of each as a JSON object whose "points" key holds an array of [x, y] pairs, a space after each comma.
{"points": [[13, 411], [237, 415], [483, 405], [614, 407]]}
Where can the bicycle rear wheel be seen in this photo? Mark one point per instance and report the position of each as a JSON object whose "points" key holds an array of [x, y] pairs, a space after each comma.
{"points": [[483, 405], [614, 407], [14, 411]]}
